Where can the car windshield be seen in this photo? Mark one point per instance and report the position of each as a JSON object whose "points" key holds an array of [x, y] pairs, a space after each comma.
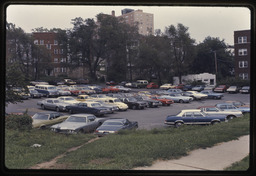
{"points": [[52, 88], [131, 99], [96, 105], [221, 86], [41, 116], [76, 119], [112, 124], [70, 98], [33, 91], [246, 88]]}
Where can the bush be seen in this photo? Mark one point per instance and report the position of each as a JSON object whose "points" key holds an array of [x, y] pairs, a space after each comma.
{"points": [[18, 122]]}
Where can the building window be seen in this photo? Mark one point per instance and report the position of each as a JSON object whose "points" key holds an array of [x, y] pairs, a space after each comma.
{"points": [[55, 42], [56, 69], [242, 52], [242, 39], [56, 60], [243, 64], [63, 60], [48, 46], [41, 42], [61, 51], [36, 42], [55, 51], [243, 75]]}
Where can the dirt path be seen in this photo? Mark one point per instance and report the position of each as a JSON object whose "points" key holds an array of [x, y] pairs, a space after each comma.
{"points": [[53, 163]]}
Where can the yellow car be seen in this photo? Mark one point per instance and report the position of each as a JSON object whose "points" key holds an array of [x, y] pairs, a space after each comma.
{"points": [[83, 97], [45, 119]]}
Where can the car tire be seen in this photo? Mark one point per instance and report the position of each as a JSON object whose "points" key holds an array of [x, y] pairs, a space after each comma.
{"points": [[230, 117], [215, 122], [57, 109], [178, 124], [43, 107], [181, 101]]}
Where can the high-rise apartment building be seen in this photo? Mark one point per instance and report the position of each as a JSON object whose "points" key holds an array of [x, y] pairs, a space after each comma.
{"points": [[242, 44], [145, 21]]}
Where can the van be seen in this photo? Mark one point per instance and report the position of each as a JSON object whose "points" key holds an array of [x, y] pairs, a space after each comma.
{"points": [[140, 84], [47, 90]]}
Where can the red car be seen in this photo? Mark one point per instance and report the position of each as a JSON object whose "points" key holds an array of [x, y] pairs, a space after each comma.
{"points": [[110, 89], [152, 86], [179, 86], [221, 88], [164, 101]]}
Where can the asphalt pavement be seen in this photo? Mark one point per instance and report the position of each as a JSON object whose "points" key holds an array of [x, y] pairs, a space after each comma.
{"points": [[215, 158]]}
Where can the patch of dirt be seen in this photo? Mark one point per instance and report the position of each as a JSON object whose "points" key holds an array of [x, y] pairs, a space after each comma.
{"points": [[53, 163], [100, 161]]}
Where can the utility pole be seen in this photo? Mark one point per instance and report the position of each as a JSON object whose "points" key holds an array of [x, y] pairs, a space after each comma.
{"points": [[216, 66]]}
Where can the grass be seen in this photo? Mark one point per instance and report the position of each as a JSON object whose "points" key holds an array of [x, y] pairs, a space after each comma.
{"points": [[239, 166], [125, 150], [140, 148], [20, 155]]}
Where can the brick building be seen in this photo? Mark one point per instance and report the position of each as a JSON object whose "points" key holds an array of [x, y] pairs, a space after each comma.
{"points": [[49, 40], [242, 44]]}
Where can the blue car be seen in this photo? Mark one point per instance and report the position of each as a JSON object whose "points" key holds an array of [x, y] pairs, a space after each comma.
{"points": [[230, 106], [212, 95], [194, 117]]}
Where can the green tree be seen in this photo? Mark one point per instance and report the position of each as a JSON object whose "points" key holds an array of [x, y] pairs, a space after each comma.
{"points": [[182, 48], [213, 55]]}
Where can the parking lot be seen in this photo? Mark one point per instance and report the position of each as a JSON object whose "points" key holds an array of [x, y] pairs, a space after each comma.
{"points": [[148, 118]]}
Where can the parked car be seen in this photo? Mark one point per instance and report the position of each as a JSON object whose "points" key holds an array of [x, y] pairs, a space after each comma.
{"points": [[112, 107], [99, 96], [164, 101], [86, 90], [22, 93], [122, 88], [178, 98], [245, 89], [233, 89], [67, 99], [220, 88], [193, 117], [216, 111], [78, 123], [82, 81], [166, 86], [117, 102], [83, 98], [133, 103], [53, 104], [69, 82], [239, 103], [196, 95], [230, 106], [45, 119], [198, 88], [150, 102], [95, 104], [47, 90], [111, 83], [84, 107], [187, 87], [114, 126], [63, 92], [140, 84], [110, 89], [35, 94], [179, 91], [212, 95], [152, 85], [179, 86]]}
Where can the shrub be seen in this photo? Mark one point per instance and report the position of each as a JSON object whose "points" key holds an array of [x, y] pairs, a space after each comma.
{"points": [[18, 122]]}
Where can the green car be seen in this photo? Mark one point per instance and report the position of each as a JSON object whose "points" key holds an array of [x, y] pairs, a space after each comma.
{"points": [[44, 119]]}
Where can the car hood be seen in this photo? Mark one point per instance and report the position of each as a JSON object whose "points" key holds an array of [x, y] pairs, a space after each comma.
{"points": [[68, 125], [109, 128]]}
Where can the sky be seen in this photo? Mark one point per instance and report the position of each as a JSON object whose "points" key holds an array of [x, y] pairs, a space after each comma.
{"points": [[202, 22]]}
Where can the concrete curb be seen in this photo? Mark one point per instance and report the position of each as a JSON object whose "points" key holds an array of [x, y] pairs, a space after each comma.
{"points": [[215, 158]]}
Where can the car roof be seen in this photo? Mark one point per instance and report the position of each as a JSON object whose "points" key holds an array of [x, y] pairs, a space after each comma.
{"points": [[116, 120], [189, 110], [206, 107], [79, 115]]}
